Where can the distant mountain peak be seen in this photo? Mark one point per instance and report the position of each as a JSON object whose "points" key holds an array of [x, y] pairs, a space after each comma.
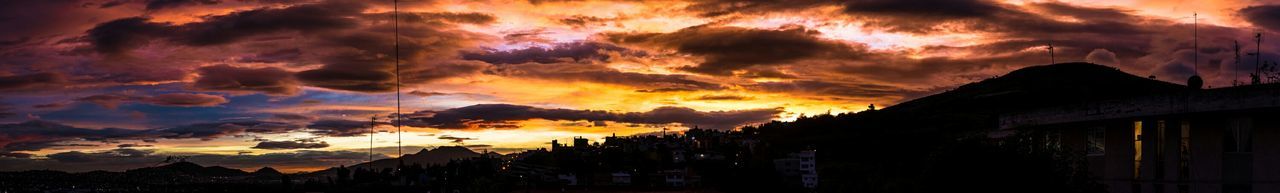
{"points": [[191, 169], [266, 171]]}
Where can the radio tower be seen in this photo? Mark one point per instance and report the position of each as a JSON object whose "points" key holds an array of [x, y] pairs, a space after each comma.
{"points": [[1195, 81], [1257, 67], [1235, 69], [395, 16]]}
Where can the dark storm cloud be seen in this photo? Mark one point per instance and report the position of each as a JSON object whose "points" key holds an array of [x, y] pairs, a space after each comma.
{"points": [[36, 146], [339, 128], [353, 73], [153, 5], [290, 145], [929, 16], [722, 98], [282, 55], [210, 131], [428, 17], [1265, 16], [455, 139], [269, 80], [81, 157], [292, 117], [506, 114], [602, 74], [354, 46], [122, 35], [715, 8], [924, 9], [5, 109], [580, 21], [37, 134], [371, 69], [186, 100], [660, 90], [851, 90], [29, 81], [126, 34], [563, 52], [307, 18], [132, 145], [111, 101], [728, 49], [428, 93], [56, 105]]}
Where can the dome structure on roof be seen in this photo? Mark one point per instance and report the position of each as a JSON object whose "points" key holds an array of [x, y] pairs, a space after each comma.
{"points": [[1195, 82]]}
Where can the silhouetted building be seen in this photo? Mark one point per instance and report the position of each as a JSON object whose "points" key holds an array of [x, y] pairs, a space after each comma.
{"points": [[799, 168], [1199, 141], [579, 142]]}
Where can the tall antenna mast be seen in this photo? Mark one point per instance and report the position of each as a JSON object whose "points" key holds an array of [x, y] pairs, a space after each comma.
{"points": [[395, 14], [1195, 34], [1051, 59], [1257, 66], [1235, 69], [373, 123]]}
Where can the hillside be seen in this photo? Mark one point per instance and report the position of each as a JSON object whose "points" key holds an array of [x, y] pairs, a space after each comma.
{"points": [[1039, 86], [941, 139], [425, 157], [976, 106], [188, 168]]}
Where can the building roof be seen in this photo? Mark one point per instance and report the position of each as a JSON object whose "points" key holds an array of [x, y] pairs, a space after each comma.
{"points": [[1239, 98]]}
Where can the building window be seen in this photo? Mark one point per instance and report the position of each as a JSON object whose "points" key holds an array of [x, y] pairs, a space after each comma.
{"points": [[1097, 142], [1053, 140], [1137, 149], [1161, 145], [1184, 157], [1239, 136]]}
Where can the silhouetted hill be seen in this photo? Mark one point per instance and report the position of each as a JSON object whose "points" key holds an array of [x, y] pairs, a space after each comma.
{"points": [[266, 172], [971, 109], [189, 168], [440, 155], [940, 138], [425, 157], [1039, 86], [977, 105]]}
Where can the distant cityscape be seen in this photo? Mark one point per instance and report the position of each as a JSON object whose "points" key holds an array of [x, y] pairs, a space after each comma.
{"points": [[698, 160]]}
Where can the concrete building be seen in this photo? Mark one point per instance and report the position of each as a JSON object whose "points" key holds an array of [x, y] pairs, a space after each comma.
{"points": [[621, 178], [799, 168], [1199, 141]]}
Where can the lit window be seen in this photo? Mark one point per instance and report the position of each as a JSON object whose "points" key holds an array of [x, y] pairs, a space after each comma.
{"points": [[1137, 149]]}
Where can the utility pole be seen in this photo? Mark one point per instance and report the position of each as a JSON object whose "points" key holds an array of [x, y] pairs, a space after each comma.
{"points": [[1051, 59]]}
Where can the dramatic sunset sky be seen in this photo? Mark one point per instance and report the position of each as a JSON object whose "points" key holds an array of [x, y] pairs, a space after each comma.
{"points": [[293, 84]]}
